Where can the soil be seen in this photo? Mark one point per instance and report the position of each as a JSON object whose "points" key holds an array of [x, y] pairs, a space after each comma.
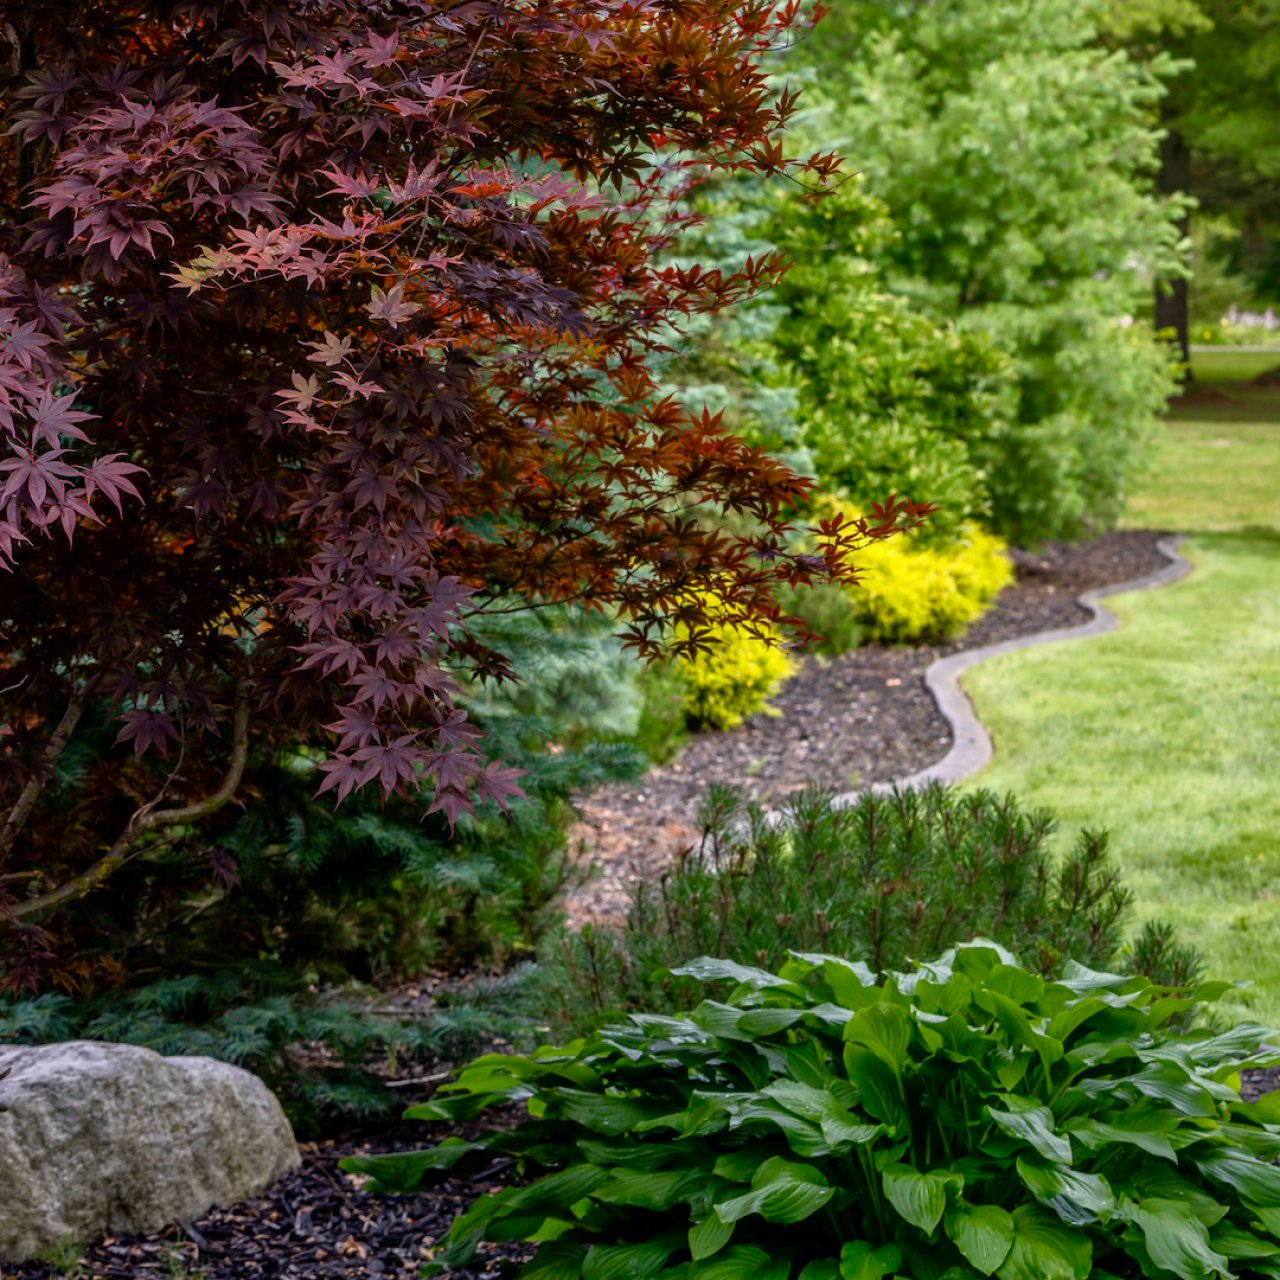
{"points": [[843, 723]]}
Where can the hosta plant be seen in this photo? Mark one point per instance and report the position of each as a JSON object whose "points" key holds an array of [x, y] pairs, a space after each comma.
{"points": [[967, 1119]]}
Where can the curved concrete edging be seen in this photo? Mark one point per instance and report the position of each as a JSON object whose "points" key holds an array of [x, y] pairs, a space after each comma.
{"points": [[971, 748]]}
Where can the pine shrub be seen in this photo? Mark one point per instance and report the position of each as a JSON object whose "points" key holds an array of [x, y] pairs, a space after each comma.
{"points": [[886, 880]]}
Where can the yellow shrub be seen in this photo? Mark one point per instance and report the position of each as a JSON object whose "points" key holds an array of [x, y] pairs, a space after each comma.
{"points": [[734, 679], [912, 589]]}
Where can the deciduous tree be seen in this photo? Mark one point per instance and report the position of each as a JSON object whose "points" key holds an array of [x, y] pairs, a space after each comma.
{"points": [[327, 326]]}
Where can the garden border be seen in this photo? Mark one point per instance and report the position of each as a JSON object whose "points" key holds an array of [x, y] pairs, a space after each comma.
{"points": [[971, 746]]}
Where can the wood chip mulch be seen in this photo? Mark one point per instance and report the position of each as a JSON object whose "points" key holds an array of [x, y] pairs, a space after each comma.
{"points": [[866, 717]]}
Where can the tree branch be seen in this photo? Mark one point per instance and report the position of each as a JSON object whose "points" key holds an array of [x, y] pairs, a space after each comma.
{"points": [[149, 818], [26, 801]]}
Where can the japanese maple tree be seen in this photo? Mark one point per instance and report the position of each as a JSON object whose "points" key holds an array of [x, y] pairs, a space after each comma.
{"points": [[325, 324]]}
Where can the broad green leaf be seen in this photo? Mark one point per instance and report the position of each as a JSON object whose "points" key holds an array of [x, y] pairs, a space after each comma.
{"points": [[1148, 1133], [1254, 1181], [605, 1113], [859, 1261], [1171, 1083], [765, 1022], [1033, 1124], [741, 1262], [1160, 1182], [657, 1191], [635, 1155], [837, 1122], [920, 1198], [885, 1029], [628, 1261], [982, 1232], [1044, 1249], [820, 1269], [807, 1064], [1175, 1238], [1017, 984], [557, 1191], [560, 1260], [880, 1092], [1075, 1197], [465, 1106], [1234, 1242], [1074, 1015], [781, 1191], [743, 1164], [1080, 978], [712, 969], [720, 1020], [709, 1237], [803, 1136], [950, 997], [404, 1170], [843, 976], [1265, 1110], [1016, 1024]]}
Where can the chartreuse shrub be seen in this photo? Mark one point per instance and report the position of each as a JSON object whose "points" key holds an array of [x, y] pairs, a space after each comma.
{"points": [[736, 677], [916, 590], [968, 1119], [886, 880]]}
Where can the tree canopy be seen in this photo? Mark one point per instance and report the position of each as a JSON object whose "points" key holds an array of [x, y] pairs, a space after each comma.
{"points": [[327, 327]]}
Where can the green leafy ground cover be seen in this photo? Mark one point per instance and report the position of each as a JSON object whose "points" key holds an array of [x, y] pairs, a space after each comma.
{"points": [[968, 1119], [1167, 730]]}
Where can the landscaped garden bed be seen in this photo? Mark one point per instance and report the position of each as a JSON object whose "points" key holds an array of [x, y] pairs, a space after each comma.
{"points": [[842, 723]]}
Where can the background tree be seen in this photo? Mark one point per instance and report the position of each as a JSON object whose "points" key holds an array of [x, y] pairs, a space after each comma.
{"points": [[1017, 160], [328, 329], [1222, 139]]}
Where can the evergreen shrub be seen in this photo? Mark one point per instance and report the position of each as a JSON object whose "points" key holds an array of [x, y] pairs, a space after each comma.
{"points": [[915, 590], [320, 1054], [888, 879], [276, 964], [968, 1119]]}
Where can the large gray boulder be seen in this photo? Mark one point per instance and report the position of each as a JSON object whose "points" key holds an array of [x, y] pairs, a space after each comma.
{"points": [[100, 1139]]}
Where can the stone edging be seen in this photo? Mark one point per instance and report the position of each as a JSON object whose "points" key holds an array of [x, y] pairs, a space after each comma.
{"points": [[971, 748]]}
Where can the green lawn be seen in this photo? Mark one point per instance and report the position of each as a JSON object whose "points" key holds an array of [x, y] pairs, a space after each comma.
{"points": [[1168, 731], [1233, 366]]}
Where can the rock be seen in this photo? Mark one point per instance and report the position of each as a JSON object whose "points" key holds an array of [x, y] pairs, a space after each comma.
{"points": [[102, 1138]]}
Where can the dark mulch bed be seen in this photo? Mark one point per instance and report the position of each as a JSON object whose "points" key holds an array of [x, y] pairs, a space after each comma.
{"points": [[314, 1224], [863, 718]]}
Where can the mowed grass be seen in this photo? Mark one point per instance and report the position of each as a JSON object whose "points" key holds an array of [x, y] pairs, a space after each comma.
{"points": [[1167, 732], [1233, 366]]}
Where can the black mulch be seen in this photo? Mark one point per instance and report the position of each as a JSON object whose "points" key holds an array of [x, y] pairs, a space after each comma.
{"points": [[866, 717], [313, 1224]]}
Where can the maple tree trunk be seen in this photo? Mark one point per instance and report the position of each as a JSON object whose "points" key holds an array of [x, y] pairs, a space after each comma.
{"points": [[1173, 295]]}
